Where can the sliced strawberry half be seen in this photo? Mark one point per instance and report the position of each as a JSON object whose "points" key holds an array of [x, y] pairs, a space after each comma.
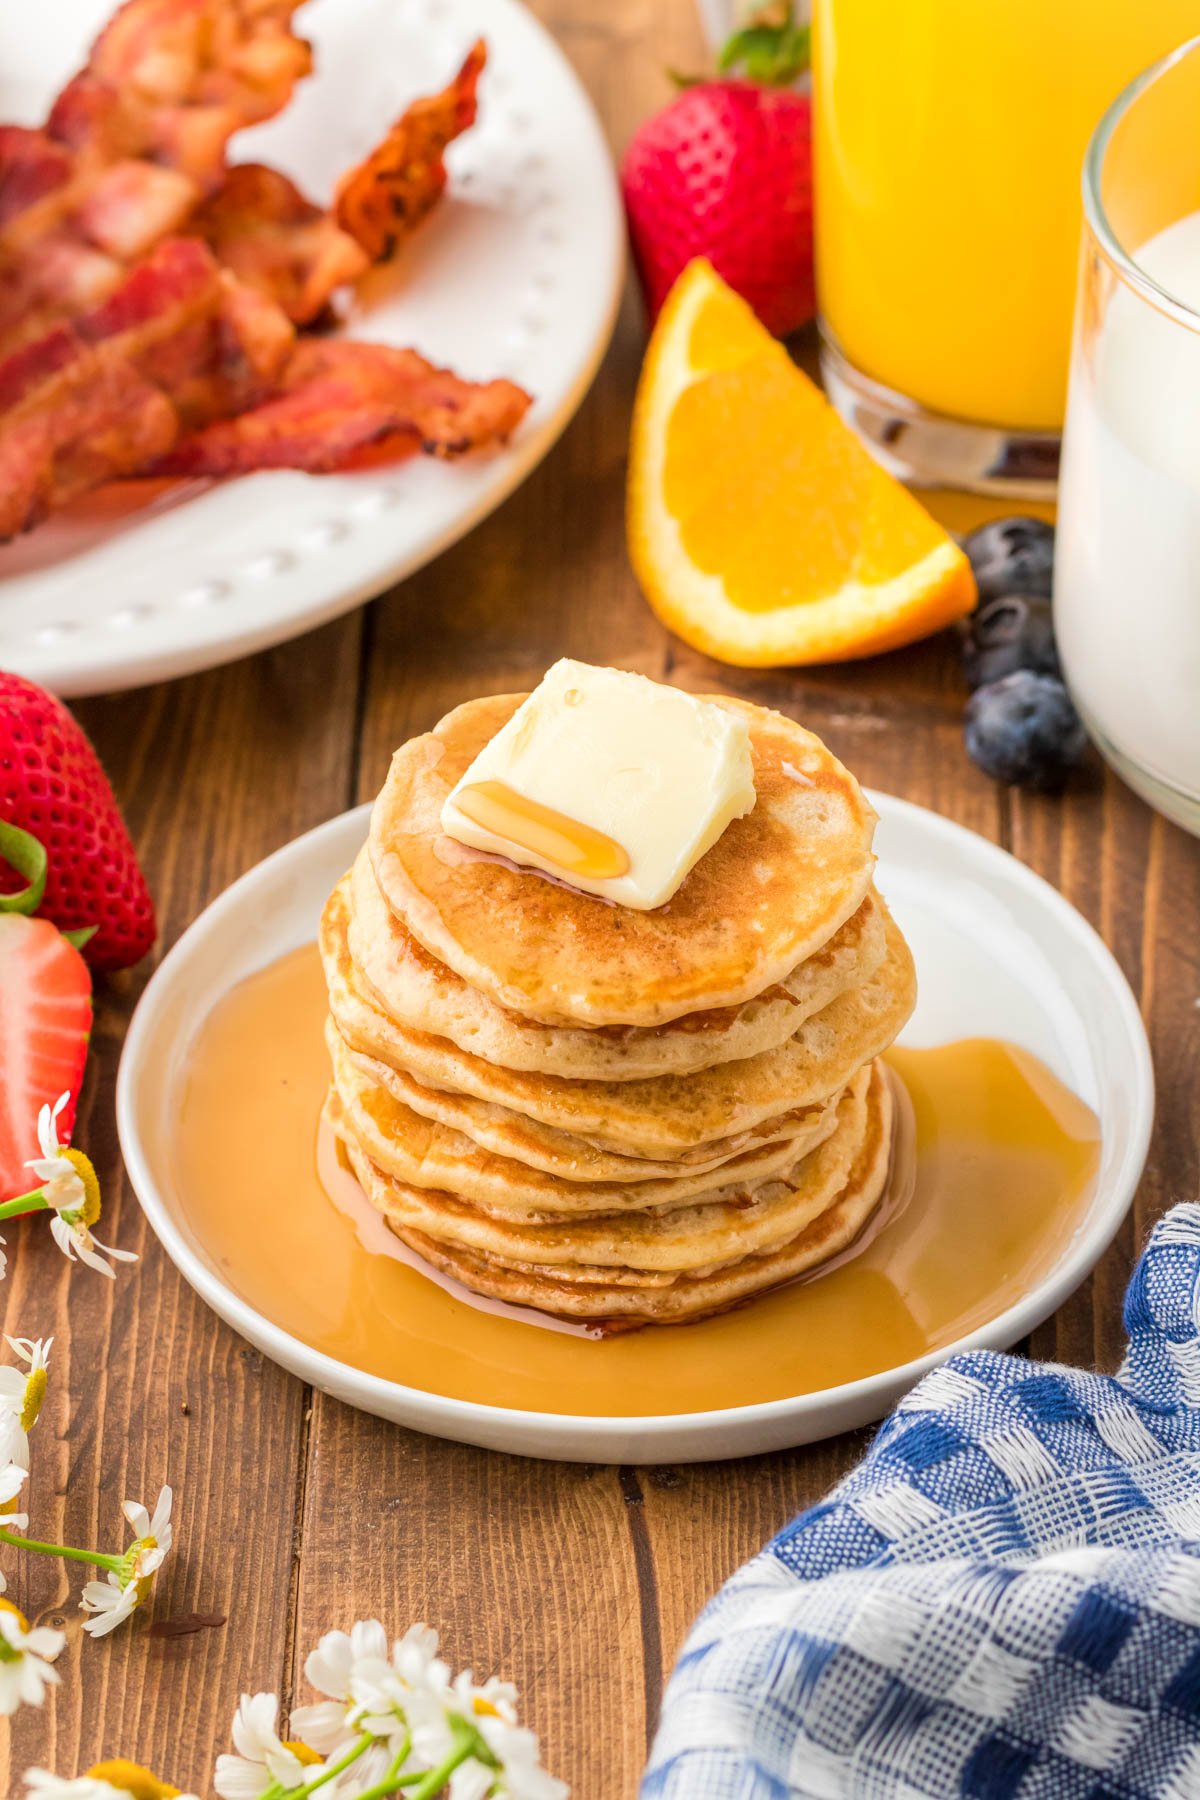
{"points": [[45, 1019]]}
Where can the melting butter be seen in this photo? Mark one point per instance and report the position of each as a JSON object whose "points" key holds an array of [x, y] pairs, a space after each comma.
{"points": [[525, 825], [614, 783]]}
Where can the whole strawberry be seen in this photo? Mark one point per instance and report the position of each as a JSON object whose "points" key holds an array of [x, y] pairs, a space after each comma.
{"points": [[53, 788], [725, 171]]}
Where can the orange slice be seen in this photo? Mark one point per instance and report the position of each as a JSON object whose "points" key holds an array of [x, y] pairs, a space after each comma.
{"points": [[760, 529]]}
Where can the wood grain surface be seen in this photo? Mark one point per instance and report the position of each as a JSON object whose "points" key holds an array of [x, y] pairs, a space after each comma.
{"points": [[296, 1514]]}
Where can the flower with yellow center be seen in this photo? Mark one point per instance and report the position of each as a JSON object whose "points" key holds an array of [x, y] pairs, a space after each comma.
{"points": [[128, 1585], [265, 1762], [25, 1658], [72, 1193], [116, 1780], [21, 1396]]}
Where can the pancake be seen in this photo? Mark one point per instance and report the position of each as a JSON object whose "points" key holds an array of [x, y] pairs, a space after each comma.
{"points": [[419, 1153], [667, 1299], [774, 888], [664, 1119], [418, 991], [503, 1133], [701, 1234]]}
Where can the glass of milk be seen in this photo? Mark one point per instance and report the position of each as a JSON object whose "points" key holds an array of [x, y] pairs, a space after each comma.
{"points": [[1127, 563]]}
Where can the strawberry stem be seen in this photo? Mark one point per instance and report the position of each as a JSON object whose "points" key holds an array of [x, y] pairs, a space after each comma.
{"points": [[22, 852], [769, 46]]}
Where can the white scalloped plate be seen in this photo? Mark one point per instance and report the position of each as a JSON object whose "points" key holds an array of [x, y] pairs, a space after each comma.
{"points": [[518, 273], [998, 954]]}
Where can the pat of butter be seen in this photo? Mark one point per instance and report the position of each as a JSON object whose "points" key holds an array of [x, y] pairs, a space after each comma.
{"points": [[608, 781]]}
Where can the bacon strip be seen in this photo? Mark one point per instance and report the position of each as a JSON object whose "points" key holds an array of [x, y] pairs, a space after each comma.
{"points": [[339, 398], [385, 198], [259, 225], [175, 345], [172, 80]]}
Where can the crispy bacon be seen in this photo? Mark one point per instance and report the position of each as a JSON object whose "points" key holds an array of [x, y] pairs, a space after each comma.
{"points": [[174, 79], [338, 398], [66, 237], [149, 293], [388, 195], [33, 169], [177, 344], [260, 225]]}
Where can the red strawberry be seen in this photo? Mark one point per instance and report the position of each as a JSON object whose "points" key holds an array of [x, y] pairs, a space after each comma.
{"points": [[725, 171], [45, 1018], [52, 786]]}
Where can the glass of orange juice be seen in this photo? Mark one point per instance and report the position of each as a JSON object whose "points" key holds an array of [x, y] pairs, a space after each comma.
{"points": [[949, 141]]}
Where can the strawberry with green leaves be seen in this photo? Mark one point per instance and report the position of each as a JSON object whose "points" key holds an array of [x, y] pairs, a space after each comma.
{"points": [[725, 172]]}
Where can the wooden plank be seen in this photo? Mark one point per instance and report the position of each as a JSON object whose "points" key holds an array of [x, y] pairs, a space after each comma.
{"points": [[539, 1570], [146, 1384], [525, 1568]]}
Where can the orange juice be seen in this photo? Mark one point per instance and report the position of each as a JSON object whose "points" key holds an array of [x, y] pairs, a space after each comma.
{"points": [[950, 137]]}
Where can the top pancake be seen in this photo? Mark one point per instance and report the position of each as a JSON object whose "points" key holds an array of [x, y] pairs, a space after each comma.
{"points": [[423, 994], [773, 889]]}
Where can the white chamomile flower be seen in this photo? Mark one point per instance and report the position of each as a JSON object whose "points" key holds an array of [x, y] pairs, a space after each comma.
{"points": [[263, 1758], [331, 1668], [521, 1775], [13, 1477], [111, 1601], [509, 1765], [21, 1395], [71, 1191], [25, 1658], [396, 1696], [107, 1781]]}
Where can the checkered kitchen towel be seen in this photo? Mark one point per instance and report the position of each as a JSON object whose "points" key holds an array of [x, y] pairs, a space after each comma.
{"points": [[1002, 1602]]}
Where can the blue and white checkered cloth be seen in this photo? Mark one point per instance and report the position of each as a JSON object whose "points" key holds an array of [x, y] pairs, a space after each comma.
{"points": [[1002, 1602]]}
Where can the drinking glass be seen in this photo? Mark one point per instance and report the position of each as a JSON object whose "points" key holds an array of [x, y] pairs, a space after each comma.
{"points": [[949, 136], [1127, 562]]}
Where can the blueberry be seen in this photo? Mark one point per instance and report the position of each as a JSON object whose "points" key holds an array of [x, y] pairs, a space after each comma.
{"points": [[1014, 632], [1024, 729], [1011, 556]]}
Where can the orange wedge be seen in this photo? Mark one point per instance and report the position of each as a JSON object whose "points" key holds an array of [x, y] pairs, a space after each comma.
{"points": [[760, 529]]}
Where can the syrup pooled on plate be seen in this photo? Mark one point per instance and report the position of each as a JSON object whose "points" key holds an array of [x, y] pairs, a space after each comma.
{"points": [[1005, 1164]]}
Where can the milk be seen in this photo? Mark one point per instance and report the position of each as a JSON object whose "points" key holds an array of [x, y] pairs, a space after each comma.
{"points": [[1127, 563]]}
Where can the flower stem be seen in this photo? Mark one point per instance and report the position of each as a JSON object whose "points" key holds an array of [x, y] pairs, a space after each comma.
{"points": [[436, 1780], [352, 1755], [96, 1557], [34, 1201]]}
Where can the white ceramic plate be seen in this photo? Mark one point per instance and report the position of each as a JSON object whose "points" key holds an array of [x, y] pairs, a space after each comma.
{"points": [[518, 273], [998, 953]]}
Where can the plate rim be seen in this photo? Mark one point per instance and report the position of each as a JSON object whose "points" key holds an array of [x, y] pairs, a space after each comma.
{"points": [[576, 1434], [123, 666]]}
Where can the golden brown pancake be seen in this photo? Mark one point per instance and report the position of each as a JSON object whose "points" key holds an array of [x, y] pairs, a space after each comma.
{"points": [[697, 1235], [420, 1153], [598, 1293], [418, 991], [561, 1153], [774, 888], [664, 1118]]}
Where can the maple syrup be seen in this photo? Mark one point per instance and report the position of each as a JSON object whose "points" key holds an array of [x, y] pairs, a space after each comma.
{"points": [[1005, 1163], [577, 849]]}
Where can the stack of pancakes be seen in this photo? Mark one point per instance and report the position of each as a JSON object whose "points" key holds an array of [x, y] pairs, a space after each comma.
{"points": [[617, 1116]]}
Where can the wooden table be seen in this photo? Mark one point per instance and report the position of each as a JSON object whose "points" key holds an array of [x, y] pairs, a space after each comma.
{"points": [[296, 1514]]}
